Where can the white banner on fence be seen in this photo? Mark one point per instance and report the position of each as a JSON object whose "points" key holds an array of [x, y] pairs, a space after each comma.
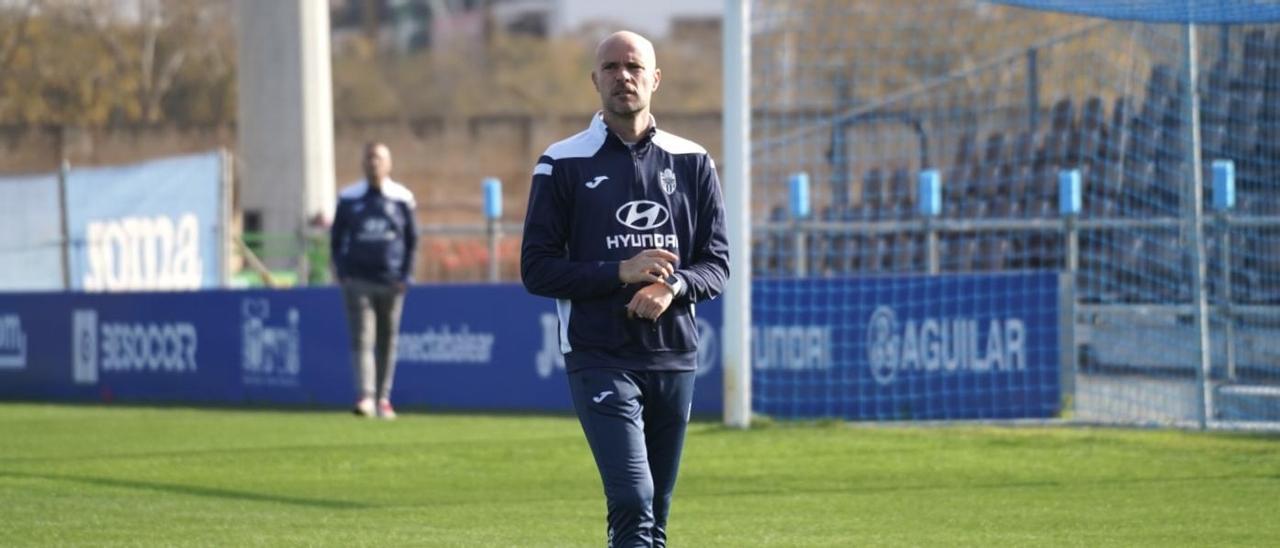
{"points": [[30, 252]]}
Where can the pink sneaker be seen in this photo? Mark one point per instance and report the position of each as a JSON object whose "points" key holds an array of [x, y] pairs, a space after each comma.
{"points": [[385, 411], [364, 407]]}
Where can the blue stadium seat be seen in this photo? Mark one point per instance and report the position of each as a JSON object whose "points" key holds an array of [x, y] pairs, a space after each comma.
{"points": [[1269, 123], [907, 254], [1018, 258], [872, 186], [879, 256], [1021, 187], [946, 252], [1093, 130], [820, 243], [1214, 104], [1156, 268], [1253, 60], [898, 194], [1139, 276], [762, 257], [1094, 194], [1264, 266], [817, 249], [779, 246], [1095, 268], [1024, 149], [1045, 250], [1001, 206], [965, 250], [1042, 194], [993, 253], [1164, 193], [1060, 144], [999, 183], [841, 252], [858, 246], [1139, 170], [989, 175], [993, 150], [1118, 139], [977, 207], [1162, 86], [955, 179], [957, 193]]}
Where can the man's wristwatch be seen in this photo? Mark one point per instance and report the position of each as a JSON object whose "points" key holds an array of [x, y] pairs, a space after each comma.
{"points": [[676, 283]]}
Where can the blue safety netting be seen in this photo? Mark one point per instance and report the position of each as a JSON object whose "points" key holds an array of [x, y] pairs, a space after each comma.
{"points": [[1163, 11]]}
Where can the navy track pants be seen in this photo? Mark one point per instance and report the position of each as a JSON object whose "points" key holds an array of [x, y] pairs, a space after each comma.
{"points": [[635, 424]]}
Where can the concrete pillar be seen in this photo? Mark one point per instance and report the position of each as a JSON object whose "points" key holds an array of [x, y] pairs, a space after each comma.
{"points": [[286, 114]]}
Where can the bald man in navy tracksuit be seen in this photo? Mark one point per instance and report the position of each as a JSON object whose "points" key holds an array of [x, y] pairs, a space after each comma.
{"points": [[372, 242], [625, 229]]}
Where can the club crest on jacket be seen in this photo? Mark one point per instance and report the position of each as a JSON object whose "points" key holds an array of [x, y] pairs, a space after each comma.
{"points": [[668, 180]]}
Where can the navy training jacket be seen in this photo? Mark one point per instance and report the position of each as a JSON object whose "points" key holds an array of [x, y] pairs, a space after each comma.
{"points": [[374, 234], [595, 202]]}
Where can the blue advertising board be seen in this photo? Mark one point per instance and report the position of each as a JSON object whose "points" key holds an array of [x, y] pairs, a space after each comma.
{"points": [[981, 346], [907, 347], [477, 347]]}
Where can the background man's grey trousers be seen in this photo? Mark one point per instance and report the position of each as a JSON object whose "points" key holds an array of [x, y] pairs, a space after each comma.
{"points": [[373, 318]]}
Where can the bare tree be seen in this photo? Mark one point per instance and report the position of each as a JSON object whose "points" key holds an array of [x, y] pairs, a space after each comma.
{"points": [[165, 37], [92, 62], [14, 22]]}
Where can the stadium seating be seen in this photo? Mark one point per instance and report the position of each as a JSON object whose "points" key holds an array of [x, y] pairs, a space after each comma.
{"points": [[1130, 155]]}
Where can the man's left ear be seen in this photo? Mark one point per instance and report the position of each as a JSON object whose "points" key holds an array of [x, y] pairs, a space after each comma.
{"points": [[657, 78]]}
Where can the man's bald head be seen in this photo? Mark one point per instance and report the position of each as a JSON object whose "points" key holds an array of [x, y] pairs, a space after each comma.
{"points": [[377, 162], [626, 75], [628, 39]]}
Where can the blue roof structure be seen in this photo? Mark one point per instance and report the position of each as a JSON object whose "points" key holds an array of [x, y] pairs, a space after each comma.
{"points": [[1163, 11]]}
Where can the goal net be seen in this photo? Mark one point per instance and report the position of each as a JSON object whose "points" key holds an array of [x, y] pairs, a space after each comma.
{"points": [[1028, 209]]}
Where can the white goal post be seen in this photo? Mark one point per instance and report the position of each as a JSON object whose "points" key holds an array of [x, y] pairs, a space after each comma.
{"points": [[736, 175]]}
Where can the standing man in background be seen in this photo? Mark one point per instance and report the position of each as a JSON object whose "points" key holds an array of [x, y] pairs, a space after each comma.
{"points": [[373, 241], [625, 229]]}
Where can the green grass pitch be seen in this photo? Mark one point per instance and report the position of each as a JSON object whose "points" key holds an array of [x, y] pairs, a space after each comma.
{"points": [[85, 475]]}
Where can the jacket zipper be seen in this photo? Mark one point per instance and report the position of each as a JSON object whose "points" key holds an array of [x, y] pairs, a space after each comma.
{"points": [[635, 164], [639, 186]]}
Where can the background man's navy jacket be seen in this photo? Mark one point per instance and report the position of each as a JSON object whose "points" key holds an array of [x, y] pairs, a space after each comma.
{"points": [[374, 233]]}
